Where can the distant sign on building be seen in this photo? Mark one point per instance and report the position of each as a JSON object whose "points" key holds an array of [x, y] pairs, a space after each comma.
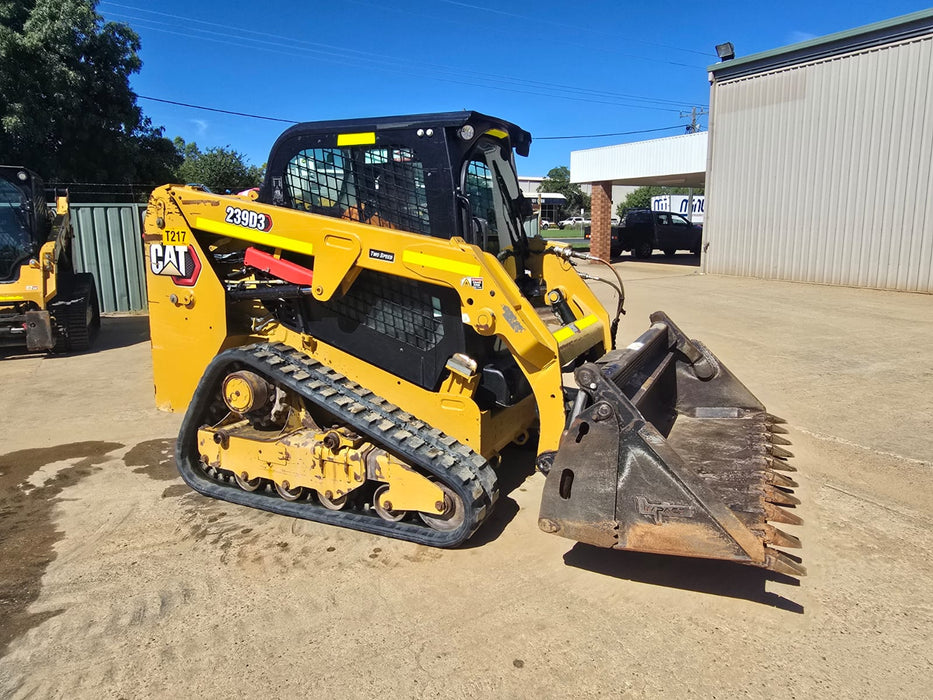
{"points": [[679, 204]]}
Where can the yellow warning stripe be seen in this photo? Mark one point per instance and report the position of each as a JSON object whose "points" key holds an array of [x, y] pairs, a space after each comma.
{"points": [[362, 139], [498, 133], [571, 329], [561, 334], [12, 298], [444, 264], [249, 234]]}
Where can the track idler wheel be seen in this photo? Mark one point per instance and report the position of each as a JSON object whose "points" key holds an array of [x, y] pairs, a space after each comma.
{"points": [[289, 494], [453, 514], [245, 391], [330, 502], [247, 484], [393, 516]]}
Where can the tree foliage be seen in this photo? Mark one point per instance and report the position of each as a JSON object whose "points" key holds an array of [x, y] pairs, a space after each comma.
{"points": [[558, 181], [66, 107], [220, 169], [641, 197]]}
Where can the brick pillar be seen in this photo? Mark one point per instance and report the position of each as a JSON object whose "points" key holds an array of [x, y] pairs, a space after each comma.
{"points": [[601, 216]]}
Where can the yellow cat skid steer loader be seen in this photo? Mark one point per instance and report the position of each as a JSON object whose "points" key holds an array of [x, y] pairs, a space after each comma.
{"points": [[44, 303], [357, 342]]}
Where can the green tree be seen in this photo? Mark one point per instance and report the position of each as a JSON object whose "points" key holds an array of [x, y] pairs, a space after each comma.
{"points": [[558, 181], [66, 108], [220, 169], [641, 197]]}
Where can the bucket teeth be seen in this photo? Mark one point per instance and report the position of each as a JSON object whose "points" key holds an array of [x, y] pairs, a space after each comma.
{"points": [[777, 440], [780, 452], [778, 429], [776, 495], [780, 480], [783, 564], [779, 515], [781, 466], [778, 538], [771, 418]]}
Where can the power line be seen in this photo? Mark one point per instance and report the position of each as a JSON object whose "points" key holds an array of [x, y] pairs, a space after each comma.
{"points": [[330, 53], [616, 133], [377, 63], [563, 26], [385, 7], [292, 121], [217, 109]]}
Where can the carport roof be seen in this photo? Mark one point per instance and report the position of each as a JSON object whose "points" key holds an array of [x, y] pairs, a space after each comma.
{"points": [[678, 161]]}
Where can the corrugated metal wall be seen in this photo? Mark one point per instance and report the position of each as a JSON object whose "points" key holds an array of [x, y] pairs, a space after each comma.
{"points": [[109, 244], [821, 172]]}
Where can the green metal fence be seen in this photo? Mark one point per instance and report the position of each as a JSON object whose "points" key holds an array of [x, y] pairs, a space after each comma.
{"points": [[108, 243]]}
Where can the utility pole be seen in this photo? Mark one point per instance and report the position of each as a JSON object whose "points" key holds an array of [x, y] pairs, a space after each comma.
{"points": [[694, 114], [692, 128]]}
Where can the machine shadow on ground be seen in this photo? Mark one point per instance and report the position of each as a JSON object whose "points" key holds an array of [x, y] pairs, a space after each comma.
{"points": [[683, 259], [518, 463], [720, 578], [115, 332], [122, 331]]}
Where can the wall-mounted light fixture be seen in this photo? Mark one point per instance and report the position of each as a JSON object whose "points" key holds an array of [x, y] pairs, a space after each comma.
{"points": [[726, 52]]}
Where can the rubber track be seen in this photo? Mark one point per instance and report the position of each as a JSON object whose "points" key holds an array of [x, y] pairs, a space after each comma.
{"points": [[379, 421]]}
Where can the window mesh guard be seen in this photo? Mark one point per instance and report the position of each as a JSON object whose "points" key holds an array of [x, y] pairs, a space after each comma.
{"points": [[393, 306], [383, 186]]}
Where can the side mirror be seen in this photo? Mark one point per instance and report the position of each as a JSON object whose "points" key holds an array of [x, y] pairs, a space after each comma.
{"points": [[524, 207]]}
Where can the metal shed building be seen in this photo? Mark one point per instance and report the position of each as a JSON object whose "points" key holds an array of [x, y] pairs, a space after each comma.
{"points": [[821, 160]]}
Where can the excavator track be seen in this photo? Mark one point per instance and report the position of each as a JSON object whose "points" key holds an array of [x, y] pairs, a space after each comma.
{"points": [[350, 405]]}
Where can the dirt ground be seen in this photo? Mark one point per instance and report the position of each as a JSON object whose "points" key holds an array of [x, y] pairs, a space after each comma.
{"points": [[118, 581]]}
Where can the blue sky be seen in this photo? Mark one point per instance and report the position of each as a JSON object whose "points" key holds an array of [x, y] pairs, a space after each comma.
{"points": [[554, 68]]}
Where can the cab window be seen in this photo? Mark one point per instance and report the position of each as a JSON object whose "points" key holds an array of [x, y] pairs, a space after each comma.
{"points": [[16, 239], [490, 185], [378, 185]]}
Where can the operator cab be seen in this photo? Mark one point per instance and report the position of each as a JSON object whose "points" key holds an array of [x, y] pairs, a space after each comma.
{"points": [[24, 219], [442, 175]]}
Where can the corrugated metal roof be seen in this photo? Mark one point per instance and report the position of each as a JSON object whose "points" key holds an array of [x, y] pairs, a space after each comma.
{"points": [[673, 160], [859, 38]]}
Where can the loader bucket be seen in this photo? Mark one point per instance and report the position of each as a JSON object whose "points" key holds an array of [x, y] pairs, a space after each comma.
{"points": [[666, 451]]}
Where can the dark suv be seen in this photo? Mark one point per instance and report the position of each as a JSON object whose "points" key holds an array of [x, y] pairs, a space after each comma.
{"points": [[643, 230]]}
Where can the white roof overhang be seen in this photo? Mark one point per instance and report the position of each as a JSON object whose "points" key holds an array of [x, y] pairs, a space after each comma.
{"points": [[677, 161]]}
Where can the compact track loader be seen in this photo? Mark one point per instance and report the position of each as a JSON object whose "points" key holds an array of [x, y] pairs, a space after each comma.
{"points": [[357, 341], [44, 303]]}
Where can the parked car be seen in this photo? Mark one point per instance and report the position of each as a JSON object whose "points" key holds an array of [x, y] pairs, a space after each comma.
{"points": [[642, 231], [545, 224], [614, 221], [573, 221]]}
